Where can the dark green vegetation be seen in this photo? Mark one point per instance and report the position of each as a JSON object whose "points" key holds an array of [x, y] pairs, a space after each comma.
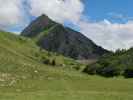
{"points": [[113, 64], [57, 38], [28, 72]]}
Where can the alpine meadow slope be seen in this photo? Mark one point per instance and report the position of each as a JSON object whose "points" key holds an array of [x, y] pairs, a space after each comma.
{"points": [[29, 73]]}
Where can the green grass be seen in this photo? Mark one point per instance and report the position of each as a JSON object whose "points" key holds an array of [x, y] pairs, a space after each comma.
{"points": [[23, 76], [69, 88]]}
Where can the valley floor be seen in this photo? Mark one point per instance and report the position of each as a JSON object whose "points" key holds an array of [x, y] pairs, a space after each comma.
{"points": [[76, 87]]}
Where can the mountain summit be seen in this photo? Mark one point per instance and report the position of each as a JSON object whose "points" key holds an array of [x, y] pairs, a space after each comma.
{"points": [[37, 26], [57, 38]]}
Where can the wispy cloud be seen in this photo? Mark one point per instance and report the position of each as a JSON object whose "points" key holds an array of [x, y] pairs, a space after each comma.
{"points": [[16, 13], [58, 10], [10, 13], [109, 35], [119, 16]]}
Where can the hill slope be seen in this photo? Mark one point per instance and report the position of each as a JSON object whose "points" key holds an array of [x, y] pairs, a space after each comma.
{"points": [[21, 55], [25, 74], [57, 38]]}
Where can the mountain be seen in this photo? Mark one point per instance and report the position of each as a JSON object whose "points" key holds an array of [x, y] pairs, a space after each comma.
{"points": [[58, 38], [119, 63], [37, 26]]}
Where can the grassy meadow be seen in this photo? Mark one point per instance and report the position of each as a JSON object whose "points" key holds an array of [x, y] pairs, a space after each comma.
{"points": [[25, 76]]}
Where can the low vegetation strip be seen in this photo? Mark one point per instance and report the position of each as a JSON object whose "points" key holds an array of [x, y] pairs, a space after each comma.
{"points": [[119, 63]]}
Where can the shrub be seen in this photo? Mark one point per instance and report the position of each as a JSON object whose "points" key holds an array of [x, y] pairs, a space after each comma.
{"points": [[37, 54], [102, 71], [128, 73], [91, 69], [53, 62], [108, 71], [77, 67], [46, 61], [22, 40]]}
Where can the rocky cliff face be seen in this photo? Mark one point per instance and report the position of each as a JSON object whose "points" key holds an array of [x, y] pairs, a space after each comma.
{"points": [[57, 38]]}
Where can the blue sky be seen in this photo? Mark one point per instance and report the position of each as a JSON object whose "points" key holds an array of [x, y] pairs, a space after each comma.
{"points": [[109, 23], [108, 9], [116, 11]]}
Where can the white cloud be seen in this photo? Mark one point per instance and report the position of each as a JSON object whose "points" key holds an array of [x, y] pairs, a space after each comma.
{"points": [[10, 13], [106, 34], [118, 16], [109, 35], [58, 10]]}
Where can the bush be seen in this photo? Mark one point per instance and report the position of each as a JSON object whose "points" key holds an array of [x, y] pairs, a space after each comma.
{"points": [[46, 61], [113, 64], [77, 67], [91, 69], [53, 62], [102, 71], [37, 54], [128, 73], [108, 71]]}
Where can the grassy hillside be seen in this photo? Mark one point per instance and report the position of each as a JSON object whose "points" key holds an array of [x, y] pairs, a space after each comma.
{"points": [[20, 50], [28, 73]]}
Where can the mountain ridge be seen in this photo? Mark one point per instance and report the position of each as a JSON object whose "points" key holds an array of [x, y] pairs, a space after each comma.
{"points": [[44, 21], [58, 38]]}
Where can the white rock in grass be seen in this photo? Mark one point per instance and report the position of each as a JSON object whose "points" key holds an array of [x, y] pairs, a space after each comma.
{"points": [[36, 71]]}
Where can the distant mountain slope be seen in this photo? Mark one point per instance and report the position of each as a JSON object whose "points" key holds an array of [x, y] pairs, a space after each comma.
{"points": [[57, 38]]}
